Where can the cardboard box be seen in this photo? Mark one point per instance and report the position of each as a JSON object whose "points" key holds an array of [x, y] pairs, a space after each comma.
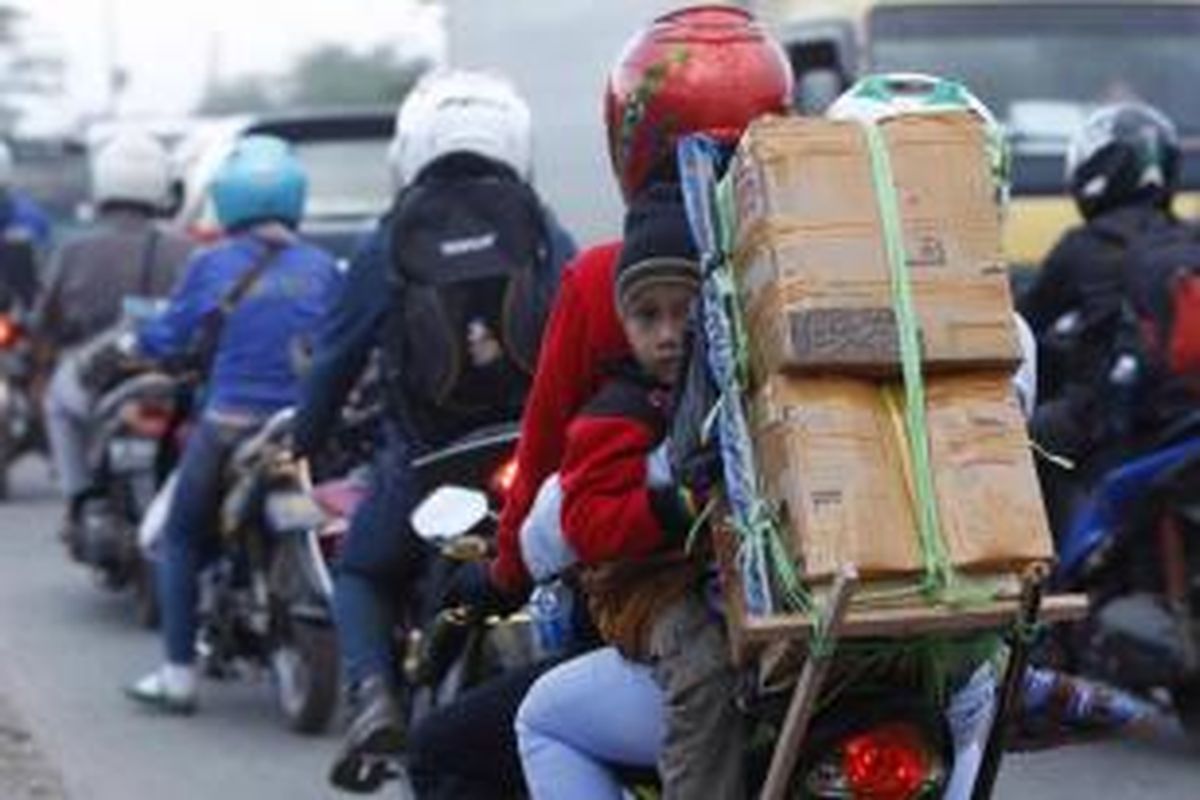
{"points": [[992, 512], [831, 461], [832, 456], [809, 248], [813, 304]]}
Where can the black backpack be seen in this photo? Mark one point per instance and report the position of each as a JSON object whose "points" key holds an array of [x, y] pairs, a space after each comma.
{"points": [[474, 282]]}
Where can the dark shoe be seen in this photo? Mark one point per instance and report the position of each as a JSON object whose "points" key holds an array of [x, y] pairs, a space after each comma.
{"points": [[374, 740]]}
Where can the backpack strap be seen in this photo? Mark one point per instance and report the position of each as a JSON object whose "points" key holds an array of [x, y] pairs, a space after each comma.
{"points": [[149, 252], [248, 279], [208, 338]]}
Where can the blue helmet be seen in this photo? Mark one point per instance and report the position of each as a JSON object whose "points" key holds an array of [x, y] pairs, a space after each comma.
{"points": [[260, 180]]}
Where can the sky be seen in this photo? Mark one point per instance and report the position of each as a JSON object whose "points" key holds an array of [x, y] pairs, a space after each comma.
{"points": [[169, 47]]}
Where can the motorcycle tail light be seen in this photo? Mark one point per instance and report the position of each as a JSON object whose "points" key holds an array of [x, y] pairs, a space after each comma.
{"points": [[890, 762], [887, 762], [10, 332], [150, 420], [504, 477]]}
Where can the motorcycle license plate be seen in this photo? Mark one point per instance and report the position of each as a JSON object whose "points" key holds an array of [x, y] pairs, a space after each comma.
{"points": [[292, 511], [132, 455]]}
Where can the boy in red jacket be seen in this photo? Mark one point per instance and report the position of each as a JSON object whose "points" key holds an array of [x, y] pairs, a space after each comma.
{"points": [[627, 523]]}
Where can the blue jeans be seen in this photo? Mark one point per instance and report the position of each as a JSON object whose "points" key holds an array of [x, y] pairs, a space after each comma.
{"points": [[190, 532], [580, 717], [601, 709], [380, 556]]}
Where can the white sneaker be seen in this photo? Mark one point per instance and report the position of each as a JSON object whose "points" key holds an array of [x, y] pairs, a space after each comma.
{"points": [[170, 688]]}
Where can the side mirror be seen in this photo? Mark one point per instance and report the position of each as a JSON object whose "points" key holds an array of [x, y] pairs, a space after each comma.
{"points": [[449, 512]]}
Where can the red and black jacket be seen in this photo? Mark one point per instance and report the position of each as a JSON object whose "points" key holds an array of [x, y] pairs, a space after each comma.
{"points": [[609, 513]]}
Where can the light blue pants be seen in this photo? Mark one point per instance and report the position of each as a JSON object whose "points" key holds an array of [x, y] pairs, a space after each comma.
{"points": [[601, 709]]}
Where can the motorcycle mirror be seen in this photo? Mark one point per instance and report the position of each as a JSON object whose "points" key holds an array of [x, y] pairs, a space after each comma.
{"points": [[449, 512]]}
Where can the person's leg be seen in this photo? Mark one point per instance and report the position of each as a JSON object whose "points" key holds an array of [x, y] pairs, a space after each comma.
{"points": [[705, 746], [191, 519], [379, 553], [591, 712], [468, 750], [378, 562], [65, 408]]}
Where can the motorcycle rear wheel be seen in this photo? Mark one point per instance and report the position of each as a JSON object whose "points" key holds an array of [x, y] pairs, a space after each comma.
{"points": [[305, 669]]}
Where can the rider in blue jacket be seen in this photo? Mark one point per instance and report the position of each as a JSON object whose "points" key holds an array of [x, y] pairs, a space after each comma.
{"points": [[256, 297]]}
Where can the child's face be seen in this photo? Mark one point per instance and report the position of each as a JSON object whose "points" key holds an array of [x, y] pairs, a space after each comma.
{"points": [[655, 321]]}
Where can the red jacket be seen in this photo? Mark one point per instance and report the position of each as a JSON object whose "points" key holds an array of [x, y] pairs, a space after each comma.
{"points": [[609, 513], [583, 337]]}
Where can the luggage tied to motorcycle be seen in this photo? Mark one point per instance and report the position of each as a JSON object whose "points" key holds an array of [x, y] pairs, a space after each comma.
{"points": [[858, 323]]}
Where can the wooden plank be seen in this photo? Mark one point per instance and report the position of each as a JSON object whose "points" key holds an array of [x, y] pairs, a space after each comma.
{"points": [[808, 688], [747, 633], [914, 620]]}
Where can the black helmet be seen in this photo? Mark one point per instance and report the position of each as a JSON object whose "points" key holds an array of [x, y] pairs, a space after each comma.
{"points": [[1124, 154]]}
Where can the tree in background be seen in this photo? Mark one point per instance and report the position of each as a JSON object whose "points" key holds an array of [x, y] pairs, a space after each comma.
{"points": [[329, 75]]}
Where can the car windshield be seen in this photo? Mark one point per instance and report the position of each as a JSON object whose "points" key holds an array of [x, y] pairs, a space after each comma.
{"points": [[1043, 67], [346, 177]]}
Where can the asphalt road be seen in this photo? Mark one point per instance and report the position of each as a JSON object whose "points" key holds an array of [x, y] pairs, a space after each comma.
{"points": [[66, 647]]}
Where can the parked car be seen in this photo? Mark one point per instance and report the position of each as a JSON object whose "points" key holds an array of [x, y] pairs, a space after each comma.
{"points": [[344, 152]]}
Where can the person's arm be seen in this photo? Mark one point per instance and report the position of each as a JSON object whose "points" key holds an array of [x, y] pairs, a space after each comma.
{"points": [[1055, 291], [349, 332], [608, 512], [174, 331]]}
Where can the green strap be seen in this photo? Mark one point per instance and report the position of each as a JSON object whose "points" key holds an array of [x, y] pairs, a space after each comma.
{"points": [[939, 574]]}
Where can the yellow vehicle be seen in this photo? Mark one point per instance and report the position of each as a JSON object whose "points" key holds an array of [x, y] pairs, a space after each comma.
{"points": [[1040, 65]]}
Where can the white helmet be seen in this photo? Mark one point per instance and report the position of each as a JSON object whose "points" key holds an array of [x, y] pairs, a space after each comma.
{"points": [[6, 165], [462, 111], [131, 167], [879, 97]]}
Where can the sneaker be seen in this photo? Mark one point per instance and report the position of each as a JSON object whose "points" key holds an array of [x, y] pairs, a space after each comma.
{"points": [[170, 689], [376, 737]]}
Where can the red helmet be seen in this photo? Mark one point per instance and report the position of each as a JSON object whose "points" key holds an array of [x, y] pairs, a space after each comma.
{"points": [[705, 69]]}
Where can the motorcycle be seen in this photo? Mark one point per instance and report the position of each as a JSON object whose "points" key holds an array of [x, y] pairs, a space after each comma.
{"points": [[443, 652], [1132, 547], [136, 435], [21, 429], [263, 599], [882, 738]]}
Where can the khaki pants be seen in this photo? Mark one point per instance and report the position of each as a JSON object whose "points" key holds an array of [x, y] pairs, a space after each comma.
{"points": [[704, 749]]}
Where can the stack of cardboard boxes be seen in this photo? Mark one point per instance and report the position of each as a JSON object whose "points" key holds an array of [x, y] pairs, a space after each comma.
{"points": [[827, 413]]}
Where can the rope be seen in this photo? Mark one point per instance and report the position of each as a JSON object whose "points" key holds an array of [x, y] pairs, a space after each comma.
{"points": [[939, 573]]}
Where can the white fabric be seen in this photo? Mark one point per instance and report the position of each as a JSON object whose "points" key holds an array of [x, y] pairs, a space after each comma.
{"points": [[658, 468], [1025, 379], [544, 547], [150, 529]]}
